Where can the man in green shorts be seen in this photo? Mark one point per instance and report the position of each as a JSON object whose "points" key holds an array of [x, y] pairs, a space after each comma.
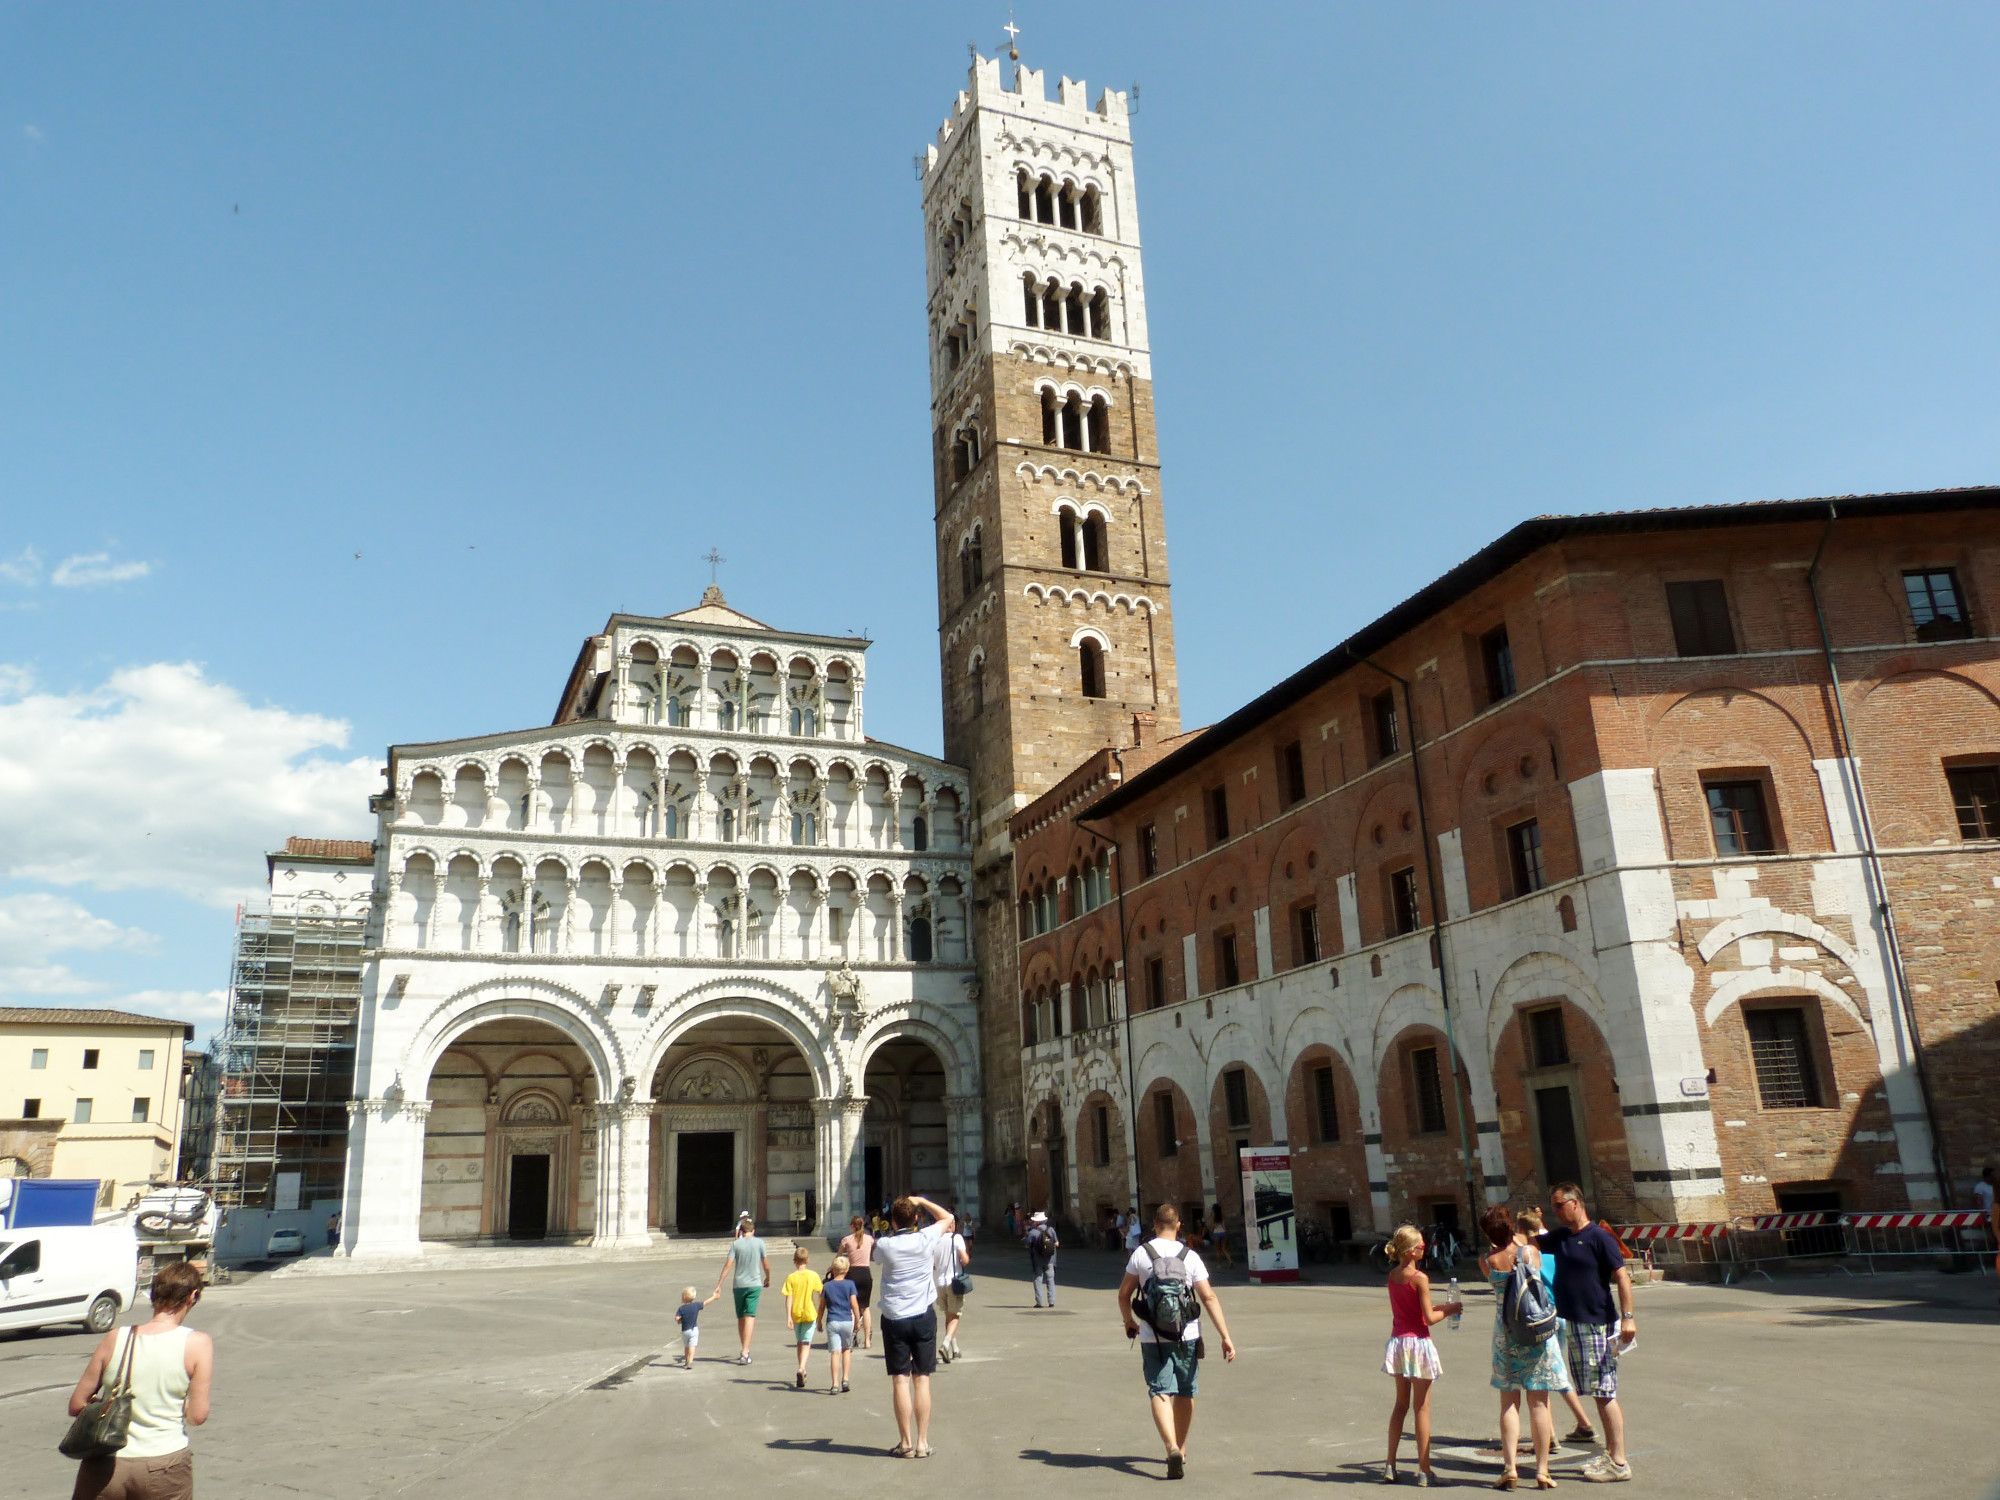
{"points": [[749, 1271]]}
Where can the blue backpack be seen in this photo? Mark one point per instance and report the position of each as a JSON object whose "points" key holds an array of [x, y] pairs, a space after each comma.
{"points": [[1526, 1309]]}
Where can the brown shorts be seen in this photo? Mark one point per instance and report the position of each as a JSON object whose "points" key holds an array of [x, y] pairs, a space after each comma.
{"points": [[168, 1477]]}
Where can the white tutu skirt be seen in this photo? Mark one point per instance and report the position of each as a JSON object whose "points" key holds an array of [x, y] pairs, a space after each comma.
{"points": [[1413, 1357]]}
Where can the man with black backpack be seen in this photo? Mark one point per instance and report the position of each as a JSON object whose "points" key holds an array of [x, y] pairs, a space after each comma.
{"points": [[1164, 1293], [1042, 1246]]}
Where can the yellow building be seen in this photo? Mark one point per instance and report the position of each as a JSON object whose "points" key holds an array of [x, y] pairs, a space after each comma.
{"points": [[91, 1093]]}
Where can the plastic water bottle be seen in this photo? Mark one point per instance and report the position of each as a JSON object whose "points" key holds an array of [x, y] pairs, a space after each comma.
{"points": [[1451, 1295]]}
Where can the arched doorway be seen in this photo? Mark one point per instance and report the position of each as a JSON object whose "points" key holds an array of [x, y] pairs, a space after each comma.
{"points": [[510, 1150], [734, 1129], [906, 1132], [1048, 1163]]}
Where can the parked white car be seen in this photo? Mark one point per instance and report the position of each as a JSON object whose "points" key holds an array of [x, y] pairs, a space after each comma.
{"points": [[84, 1273], [286, 1242]]}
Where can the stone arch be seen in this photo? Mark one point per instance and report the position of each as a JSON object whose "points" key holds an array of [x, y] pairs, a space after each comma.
{"points": [[1771, 919], [753, 999], [1761, 981], [937, 1028], [511, 999], [1535, 976]]}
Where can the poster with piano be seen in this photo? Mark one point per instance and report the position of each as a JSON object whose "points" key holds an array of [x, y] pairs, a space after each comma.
{"points": [[1270, 1228]]}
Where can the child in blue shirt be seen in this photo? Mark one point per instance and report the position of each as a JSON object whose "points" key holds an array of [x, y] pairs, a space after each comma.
{"points": [[688, 1315]]}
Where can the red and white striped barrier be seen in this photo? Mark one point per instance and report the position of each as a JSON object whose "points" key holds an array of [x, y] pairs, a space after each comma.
{"points": [[1642, 1233], [1818, 1219], [1962, 1218]]}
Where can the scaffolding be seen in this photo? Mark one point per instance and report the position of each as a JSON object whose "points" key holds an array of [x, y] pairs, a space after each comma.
{"points": [[286, 1052]]}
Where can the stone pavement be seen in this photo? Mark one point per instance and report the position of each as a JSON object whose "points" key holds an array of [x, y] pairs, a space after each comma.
{"points": [[547, 1380]]}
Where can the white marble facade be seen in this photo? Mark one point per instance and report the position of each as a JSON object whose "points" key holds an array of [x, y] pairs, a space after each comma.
{"points": [[702, 841]]}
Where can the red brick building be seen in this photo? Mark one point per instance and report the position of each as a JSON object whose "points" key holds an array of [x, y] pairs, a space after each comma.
{"points": [[1657, 850]]}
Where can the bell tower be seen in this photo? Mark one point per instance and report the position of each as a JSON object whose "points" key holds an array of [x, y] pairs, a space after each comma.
{"points": [[1054, 625]]}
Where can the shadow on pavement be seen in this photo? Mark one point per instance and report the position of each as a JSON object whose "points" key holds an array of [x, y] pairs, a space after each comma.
{"points": [[1138, 1468], [826, 1445]]}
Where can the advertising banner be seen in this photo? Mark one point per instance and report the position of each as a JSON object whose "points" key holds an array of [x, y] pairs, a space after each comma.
{"points": [[1270, 1228]]}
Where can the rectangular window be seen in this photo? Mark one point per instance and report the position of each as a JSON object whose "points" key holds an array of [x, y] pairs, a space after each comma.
{"points": [[39, 1058], [142, 1110], [1382, 718], [1236, 1098], [1292, 773], [1156, 982], [1218, 815], [31, 1109], [1163, 1124], [1404, 914], [1307, 925], [1497, 656], [1101, 1129], [1226, 972], [1975, 793], [90, 1057], [1700, 612], [145, 1059], [1548, 1041], [1524, 857], [1736, 814], [1427, 1090], [1149, 850], [1937, 609], [83, 1111], [1781, 1052], [1326, 1107]]}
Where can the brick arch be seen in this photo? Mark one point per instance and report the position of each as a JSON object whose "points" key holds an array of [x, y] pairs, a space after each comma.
{"points": [[1425, 1164], [1224, 1137], [1907, 727], [1168, 1178], [1284, 894], [1372, 862], [1102, 1189], [1589, 1077], [1715, 727], [1326, 1174], [1485, 816]]}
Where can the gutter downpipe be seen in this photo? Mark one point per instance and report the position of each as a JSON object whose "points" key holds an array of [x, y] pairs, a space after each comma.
{"points": [[1851, 773], [1125, 969], [1437, 946]]}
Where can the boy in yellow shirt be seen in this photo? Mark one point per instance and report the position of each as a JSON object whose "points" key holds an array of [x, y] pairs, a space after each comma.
{"points": [[801, 1293]]}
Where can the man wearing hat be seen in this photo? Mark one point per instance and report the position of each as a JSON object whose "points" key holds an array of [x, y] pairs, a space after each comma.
{"points": [[1042, 1247]]}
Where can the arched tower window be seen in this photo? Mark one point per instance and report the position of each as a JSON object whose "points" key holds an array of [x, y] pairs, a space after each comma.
{"points": [[1093, 212], [976, 685], [1066, 208], [1045, 201], [1090, 658], [977, 552], [965, 569], [1100, 425], [1077, 315], [1073, 423], [1100, 316], [920, 834], [1069, 539], [1052, 307], [1024, 186], [1031, 300], [1094, 545]]}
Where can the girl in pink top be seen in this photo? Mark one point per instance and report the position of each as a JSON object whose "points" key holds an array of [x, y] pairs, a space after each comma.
{"points": [[1411, 1356]]}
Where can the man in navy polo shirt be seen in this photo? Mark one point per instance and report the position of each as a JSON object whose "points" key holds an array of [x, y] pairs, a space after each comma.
{"points": [[1590, 1271]]}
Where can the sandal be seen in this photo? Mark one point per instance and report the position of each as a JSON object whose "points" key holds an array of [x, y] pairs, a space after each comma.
{"points": [[900, 1451], [923, 1453], [1543, 1482], [1506, 1481]]}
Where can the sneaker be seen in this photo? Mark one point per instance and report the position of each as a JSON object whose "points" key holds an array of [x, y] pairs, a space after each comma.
{"points": [[1584, 1437], [743, 1359], [1176, 1465], [802, 1380], [1389, 1474], [1603, 1469], [843, 1388]]}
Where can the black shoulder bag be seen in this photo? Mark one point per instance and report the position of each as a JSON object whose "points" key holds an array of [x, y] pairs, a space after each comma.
{"points": [[100, 1429]]}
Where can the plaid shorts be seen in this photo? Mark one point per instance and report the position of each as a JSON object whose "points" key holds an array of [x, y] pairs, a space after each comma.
{"points": [[1593, 1358]]}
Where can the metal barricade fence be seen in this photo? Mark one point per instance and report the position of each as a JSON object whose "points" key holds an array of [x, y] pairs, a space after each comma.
{"points": [[1950, 1235], [1678, 1244]]}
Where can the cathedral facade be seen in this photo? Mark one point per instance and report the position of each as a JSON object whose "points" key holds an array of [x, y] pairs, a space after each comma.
{"points": [[696, 946]]}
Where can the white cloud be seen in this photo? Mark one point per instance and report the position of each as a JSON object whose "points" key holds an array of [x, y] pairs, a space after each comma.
{"points": [[93, 568], [35, 925], [33, 132], [164, 779], [203, 1007], [24, 567]]}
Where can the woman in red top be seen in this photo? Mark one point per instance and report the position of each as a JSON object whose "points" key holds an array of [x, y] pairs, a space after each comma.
{"points": [[1411, 1356]]}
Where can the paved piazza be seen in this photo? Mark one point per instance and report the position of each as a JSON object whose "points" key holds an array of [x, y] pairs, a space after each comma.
{"points": [[543, 1381]]}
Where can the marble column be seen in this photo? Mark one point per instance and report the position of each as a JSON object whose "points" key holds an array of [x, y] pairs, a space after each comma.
{"points": [[965, 1145], [391, 894], [611, 917], [385, 1165], [569, 915], [895, 926], [477, 939], [624, 1137]]}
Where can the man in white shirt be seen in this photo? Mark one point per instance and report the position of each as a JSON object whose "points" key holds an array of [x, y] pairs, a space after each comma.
{"points": [[906, 1291], [1170, 1363]]}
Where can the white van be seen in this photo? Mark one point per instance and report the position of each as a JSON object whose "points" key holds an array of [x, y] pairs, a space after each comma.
{"points": [[71, 1274]]}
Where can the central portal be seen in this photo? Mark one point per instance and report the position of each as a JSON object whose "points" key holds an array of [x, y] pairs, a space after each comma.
{"points": [[528, 1198], [705, 1175]]}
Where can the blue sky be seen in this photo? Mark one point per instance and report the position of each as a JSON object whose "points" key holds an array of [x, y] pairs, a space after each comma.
{"points": [[530, 306]]}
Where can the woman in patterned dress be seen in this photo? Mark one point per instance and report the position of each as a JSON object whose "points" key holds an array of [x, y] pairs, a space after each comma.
{"points": [[1519, 1369]]}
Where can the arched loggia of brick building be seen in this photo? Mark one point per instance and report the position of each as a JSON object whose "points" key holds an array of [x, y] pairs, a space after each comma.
{"points": [[1169, 1168], [1048, 1161], [1103, 1181], [1560, 1118], [1329, 1167], [1239, 1114], [1420, 1129]]}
